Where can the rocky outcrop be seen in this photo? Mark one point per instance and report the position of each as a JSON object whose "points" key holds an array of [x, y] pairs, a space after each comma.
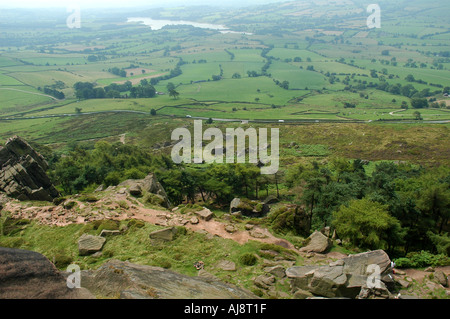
{"points": [[249, 207], [23, 172], [126, 280], [317, 243], [29, 275], [150, 184], [345, 277]]}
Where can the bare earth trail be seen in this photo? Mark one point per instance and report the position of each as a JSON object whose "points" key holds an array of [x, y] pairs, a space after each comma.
{"points": [[107, 208]]}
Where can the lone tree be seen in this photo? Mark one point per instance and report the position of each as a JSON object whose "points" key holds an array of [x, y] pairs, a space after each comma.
{"points": [[174, 94], [417, 115], [366, 224]]}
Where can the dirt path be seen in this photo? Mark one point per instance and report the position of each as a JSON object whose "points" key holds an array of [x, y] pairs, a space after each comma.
{"points": [[419, 275], [107, 206]]}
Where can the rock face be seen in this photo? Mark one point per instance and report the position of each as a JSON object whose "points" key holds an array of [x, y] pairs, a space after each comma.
{"points": [[23, 172], [127, 280], [149, 184], [318, 243], [343, 278], [29, 275]]}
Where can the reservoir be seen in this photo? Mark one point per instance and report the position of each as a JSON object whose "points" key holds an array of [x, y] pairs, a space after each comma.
{"points": [[159, 24]]}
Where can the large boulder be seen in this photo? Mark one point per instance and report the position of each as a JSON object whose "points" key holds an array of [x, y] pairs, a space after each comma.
{"points": [[249, 207], [166, 234], [29, 275], [317, 242], [150, 184], [127, 280], [89, 244], [23, 172], [343, 278], [205, 214]]}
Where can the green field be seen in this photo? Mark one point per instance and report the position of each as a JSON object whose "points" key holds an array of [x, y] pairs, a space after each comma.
{"points": [[326, 65]]}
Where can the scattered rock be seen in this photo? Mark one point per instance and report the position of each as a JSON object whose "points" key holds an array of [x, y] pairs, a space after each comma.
{"points": [[264, 281], [106, 232], [374, 293], [89, 244], [441, 278], [231, 228], [404, 283], [400, 272], [166, 234], [205, 214], [256, 233], [227, 265], [249, 226], [194, 220], [237, 214], [277, 271], [302, 294], [336, 255], [318, 243]]}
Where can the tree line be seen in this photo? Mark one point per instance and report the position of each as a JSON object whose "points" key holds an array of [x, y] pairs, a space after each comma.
{"points": [[86, 90], [399, 207]]}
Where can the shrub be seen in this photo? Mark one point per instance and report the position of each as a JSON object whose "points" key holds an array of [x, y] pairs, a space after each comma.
{"points": [[59, 200], [154, 199], [70, 205], [10, 226], [62, 261], [422, 259], [108, 224], [88, 198], [248, 259], [12, 242], [164, 263]]}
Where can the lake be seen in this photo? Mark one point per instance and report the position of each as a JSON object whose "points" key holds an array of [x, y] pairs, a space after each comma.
{"points": [[159, 24]]}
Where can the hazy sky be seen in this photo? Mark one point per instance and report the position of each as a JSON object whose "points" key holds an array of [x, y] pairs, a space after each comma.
{"points": [[121, 3]]}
